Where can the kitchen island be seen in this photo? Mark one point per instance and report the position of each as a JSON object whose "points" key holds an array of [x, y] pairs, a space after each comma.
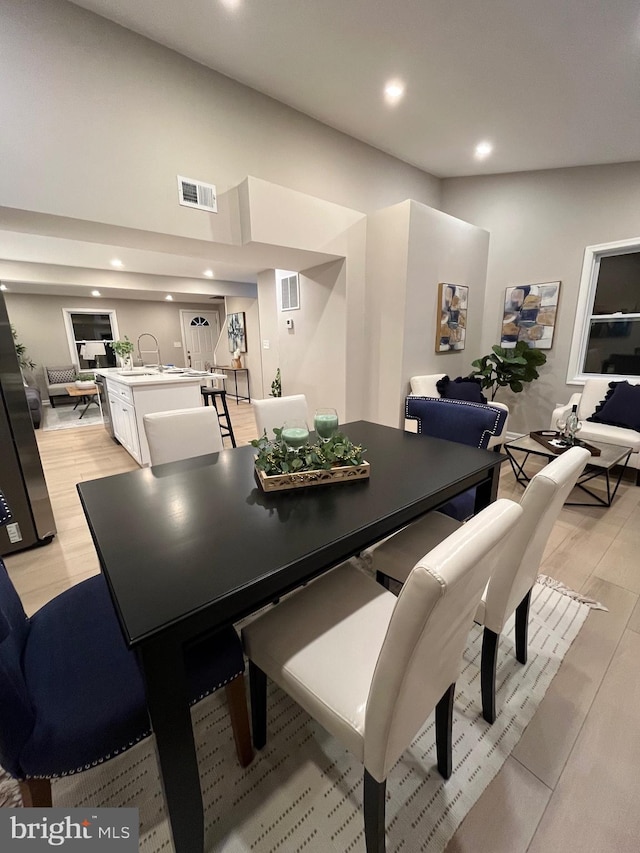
{"points": [[133, 395]]}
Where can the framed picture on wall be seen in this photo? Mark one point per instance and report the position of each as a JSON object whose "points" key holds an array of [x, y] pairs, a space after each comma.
{"points": [[451, 325], [530, 314], [236, 332]]}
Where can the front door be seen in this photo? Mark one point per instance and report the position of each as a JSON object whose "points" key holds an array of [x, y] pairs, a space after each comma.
{"points": [[200, 333]]}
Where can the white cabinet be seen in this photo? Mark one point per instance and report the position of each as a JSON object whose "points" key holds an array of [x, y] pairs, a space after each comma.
{"points": [[131, 399], [125, 428]]}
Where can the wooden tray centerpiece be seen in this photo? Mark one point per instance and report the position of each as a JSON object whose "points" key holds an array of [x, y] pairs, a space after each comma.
{"points": [[337, 460], [556, 443]]}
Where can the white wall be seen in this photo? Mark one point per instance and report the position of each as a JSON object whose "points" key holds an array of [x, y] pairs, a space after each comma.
{"points": [[98, 121], [411, 248], [252, 358], [540, 224]]}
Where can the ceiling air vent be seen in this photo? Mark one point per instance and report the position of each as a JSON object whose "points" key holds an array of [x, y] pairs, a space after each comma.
{"points": [[289, 293], [197, 194]]}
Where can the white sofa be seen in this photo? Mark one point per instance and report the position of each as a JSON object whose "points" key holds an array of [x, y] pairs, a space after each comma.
{"points": [[594, 391], [426, 386]]}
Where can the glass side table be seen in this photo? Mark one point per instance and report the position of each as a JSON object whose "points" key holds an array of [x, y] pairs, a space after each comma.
{"points": [[598, 466]]}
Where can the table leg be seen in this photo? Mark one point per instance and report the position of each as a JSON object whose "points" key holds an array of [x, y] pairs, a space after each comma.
{"points": [[89, 401], [164, 672], [590, 475], [487, 491], [518, 467]]}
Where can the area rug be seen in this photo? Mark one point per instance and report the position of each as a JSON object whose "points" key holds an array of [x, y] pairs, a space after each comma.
{"points": [[66, 417], [303, 791]]}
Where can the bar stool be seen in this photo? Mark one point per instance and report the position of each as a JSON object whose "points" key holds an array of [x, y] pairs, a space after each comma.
{"points": [[224, 419]]}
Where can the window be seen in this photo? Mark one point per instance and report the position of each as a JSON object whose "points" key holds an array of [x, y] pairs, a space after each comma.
{"points": [[606, 336], [90, 334]]}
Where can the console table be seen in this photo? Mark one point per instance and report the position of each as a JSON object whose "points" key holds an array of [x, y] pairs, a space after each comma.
{"points": [[235, 371]]}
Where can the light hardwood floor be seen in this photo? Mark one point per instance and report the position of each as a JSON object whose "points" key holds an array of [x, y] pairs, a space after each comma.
{"points": [[572, 783]]}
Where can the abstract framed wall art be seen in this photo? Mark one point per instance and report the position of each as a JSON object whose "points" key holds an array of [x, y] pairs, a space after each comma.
{"points": [[530, 314], [236, 332], [451, 328]]}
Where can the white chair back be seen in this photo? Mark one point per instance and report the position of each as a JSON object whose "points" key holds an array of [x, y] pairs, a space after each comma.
{"points": [[520, 560], [426, 386], [274, 411], [422, 652], [182, 434]]}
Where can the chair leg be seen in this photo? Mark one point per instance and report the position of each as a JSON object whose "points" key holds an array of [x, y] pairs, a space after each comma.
{"points": [[237, 701], [258, 685], [444, 731], [374, 805], [52, 400], [36, 793], [488, 674], [522, 628]]}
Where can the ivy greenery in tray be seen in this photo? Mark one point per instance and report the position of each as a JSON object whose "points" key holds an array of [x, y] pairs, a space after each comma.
{"points": [[274, 457]]}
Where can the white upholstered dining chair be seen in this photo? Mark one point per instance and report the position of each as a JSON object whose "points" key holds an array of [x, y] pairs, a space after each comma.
{"points": [[274, 411], [182, 434], [371, 667], [515, 573]]}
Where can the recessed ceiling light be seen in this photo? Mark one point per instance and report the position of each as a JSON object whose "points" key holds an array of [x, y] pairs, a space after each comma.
{"points": [[393, 91], [231, 4], [95, 293], [169, 297], [208, 273], [483, 149], [3, 286], [116, 262]]}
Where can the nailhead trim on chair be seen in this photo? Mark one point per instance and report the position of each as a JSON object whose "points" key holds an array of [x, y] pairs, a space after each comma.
{"points": [[492, 433], [133, 742]]}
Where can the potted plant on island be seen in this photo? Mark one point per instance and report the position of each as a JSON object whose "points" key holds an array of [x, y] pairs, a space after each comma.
{"points": [[123, 349]]}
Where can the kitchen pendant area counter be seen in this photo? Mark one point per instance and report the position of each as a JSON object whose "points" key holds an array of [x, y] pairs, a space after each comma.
{"points": [[133, 395]]}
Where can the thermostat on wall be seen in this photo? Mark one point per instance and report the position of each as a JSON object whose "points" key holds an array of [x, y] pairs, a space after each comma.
{"points": [[289, 323]]}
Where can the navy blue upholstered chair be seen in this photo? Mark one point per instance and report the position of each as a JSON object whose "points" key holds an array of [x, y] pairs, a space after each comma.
{"points": [[474, 424], [72, 694]]}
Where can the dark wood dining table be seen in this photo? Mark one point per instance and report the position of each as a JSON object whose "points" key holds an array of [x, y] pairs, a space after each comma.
{"points": [[194, 545]]}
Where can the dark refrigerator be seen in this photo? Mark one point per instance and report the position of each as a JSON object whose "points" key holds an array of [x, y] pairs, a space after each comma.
{"points": [[21, 476]]}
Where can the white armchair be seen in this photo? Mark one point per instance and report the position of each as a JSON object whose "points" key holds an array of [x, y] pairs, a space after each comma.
{"points": [[594, 391], [426, 386]]}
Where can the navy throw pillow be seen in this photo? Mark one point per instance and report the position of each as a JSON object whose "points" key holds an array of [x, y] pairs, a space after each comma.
{"points": [[463, 388], [620, 407]]}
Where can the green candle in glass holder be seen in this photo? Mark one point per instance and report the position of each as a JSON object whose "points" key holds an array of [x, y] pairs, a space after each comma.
{"points": [[325, 422], [295, 434]]}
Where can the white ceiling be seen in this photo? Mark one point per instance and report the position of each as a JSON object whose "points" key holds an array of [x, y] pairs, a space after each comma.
{"points": [[549, 82]]}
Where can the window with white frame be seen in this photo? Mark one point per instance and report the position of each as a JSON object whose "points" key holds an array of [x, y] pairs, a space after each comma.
{"points": [[606, 337], [90, 335]]}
